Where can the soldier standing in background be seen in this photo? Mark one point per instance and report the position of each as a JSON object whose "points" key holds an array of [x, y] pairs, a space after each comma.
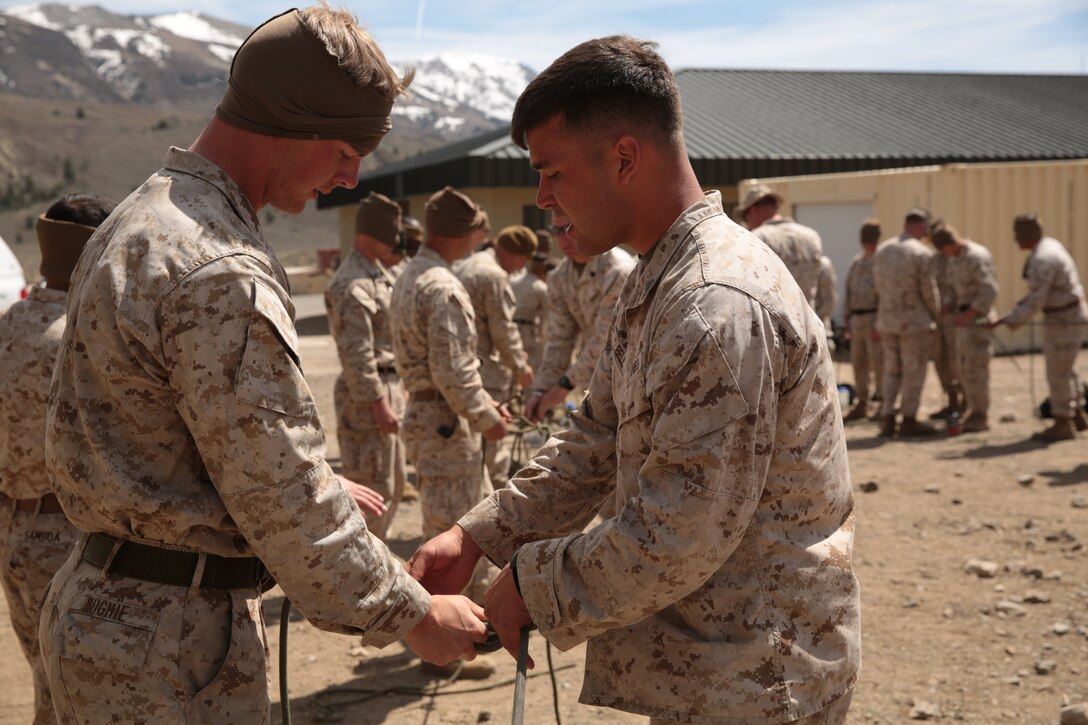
{"points": [[486, 276], [798, 246], [434, 336], [582, 294], [722, 591], [531, 306], [369, 395], [945, 356], [908, 305], [1054, 287], [973, 282], [859, 317], [179, 368], [36, 536], [827, 295]]}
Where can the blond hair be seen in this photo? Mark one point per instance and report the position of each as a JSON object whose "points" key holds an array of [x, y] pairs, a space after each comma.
{"points": [[355, 49]]}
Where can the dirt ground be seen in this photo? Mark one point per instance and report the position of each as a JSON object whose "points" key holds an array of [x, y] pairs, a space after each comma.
{"points": [[938, 642]]}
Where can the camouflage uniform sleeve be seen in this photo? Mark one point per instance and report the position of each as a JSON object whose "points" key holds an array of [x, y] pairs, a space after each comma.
{"points": [[1040, 277], [355, 343], [707, 403], [562, 332], [240, 389], [848, 294], [987, 285], [825, 293], [593, 340], [927, 287], [451, 356], [504, 332]]}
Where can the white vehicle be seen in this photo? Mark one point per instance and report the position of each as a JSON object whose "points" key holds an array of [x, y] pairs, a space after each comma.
{"points": [[12, 282]]}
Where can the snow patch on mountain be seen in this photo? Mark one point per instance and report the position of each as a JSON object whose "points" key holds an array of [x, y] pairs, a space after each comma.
{"points": [[487, 83], [194, 27], [34, 15]]}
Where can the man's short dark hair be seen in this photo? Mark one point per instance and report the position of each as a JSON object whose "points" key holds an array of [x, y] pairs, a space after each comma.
{"points": [[602, 85], [90, 210]]}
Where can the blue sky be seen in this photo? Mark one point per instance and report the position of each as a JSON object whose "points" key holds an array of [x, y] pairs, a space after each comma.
{"points": [[1020, 36]]}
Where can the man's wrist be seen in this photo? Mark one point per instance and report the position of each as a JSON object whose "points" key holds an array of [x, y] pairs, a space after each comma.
{"points": [[514, 570]]}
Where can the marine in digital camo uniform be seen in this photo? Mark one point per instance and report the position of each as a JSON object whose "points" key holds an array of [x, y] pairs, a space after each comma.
{"points": [[827, 294], [36, 536], [973, 282], [486, 276], [1055, 289], [945, 356], [531, 307], [434, 335], [907, 310], [182, 436], [859, 316], [722, 590], [798, 246], [369, 395], [582, 294]]}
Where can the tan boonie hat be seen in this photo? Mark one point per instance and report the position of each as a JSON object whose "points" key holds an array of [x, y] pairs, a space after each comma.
{"points": [[917, 212], [943, 234], [1027, 228], [544, 241], [61, 244], [870, 231], [378, 216], [756, 194], [517, 239], [449, 213]]}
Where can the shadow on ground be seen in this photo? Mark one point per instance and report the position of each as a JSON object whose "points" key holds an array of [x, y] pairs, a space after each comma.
{"points": [[1067, 478]]}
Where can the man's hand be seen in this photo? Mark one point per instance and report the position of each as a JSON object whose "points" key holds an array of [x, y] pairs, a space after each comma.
{"points": [[506, 611], [546, 402], [992, 322], [526, 378], [384, 416], [448, 632], [444, 564], [498, 431], [965, 318], [370, 501]]}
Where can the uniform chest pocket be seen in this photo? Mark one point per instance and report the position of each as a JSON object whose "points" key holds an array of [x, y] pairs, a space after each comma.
{"points": [[270, 375], [108, 634]]}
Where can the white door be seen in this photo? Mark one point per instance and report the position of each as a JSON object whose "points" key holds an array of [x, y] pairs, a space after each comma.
{"points": [[838, 225]]}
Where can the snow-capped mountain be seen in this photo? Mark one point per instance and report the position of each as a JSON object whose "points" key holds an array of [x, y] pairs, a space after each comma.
{"points": [[182, 59]]}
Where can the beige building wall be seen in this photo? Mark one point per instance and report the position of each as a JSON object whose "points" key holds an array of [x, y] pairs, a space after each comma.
{"points": [[978, 199]]}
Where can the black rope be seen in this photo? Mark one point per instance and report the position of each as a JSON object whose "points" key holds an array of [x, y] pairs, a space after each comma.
{"points": [[285, 699]]}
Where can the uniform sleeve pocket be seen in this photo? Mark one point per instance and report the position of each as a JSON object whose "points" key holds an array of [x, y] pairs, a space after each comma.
{"points": [[270, 375], [695, 391], [108, 634]]}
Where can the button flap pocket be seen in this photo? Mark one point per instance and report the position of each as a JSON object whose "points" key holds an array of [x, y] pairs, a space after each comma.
{"points": [[698, 388], [270, 375]]}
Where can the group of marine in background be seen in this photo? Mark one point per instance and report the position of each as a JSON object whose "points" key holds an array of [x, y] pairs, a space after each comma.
{"points": [[908, 302]]}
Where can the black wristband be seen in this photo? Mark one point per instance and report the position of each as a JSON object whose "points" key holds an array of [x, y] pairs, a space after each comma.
{"points": [[564, 382], [514, 570]]}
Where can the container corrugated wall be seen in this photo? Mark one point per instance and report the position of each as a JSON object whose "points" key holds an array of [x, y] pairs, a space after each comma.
{"points": [[978, 199]]}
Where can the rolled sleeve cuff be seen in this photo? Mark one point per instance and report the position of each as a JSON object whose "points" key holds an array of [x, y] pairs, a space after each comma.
{"points": [[411, 606], [538, 565], [486, 419], [483, 524]]}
